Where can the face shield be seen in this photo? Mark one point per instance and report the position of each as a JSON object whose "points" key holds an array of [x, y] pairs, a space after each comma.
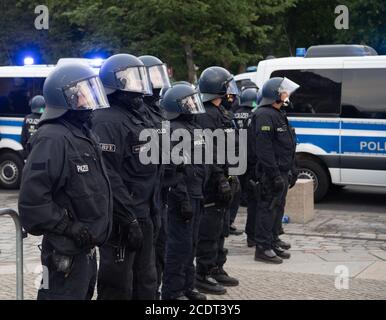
{"points": [[86, 95], [232, 89], [288, 86], [191, 104], [134, 79], [159, 77], [232, 94]]}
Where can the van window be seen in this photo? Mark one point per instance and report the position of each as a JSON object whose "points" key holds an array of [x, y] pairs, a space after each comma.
{"points": [[319, 93], [364, 93], [15, 94]]}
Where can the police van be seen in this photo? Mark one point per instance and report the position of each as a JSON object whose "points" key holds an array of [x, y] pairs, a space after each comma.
{"points": [[339, 113], [18, 85]]}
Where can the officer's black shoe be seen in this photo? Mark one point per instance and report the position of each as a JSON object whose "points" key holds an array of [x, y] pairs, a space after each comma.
{"points": [[195, 295], [280, 252], [206, 284], [183, 297], [223, 278], [233, 231], [251, 243], [283, 245], [267, 255]]}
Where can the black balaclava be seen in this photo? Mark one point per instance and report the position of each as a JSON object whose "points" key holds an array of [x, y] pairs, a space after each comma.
{"points": [[152, 100], [130, 99], [79, 118], [228, 102], [187, 117]]}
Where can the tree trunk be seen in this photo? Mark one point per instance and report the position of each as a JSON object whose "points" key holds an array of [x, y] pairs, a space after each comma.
{"points": [[242, 47], [190, 63]]}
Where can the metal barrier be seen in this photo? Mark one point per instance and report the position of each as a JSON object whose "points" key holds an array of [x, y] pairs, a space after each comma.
{"points": [[19, 250]]}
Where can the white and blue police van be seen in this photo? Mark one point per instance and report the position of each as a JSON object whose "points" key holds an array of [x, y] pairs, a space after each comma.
{"points": [[339, 113], [18, 85]]}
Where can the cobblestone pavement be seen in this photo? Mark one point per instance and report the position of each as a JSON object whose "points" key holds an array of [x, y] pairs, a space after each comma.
{"points": [[354, 240]]}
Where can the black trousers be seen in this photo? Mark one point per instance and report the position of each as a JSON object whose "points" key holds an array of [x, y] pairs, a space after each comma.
{"points": [[77, 284], [234, 207], [136, 277], [250, 225], [214, 228], [268, 223], [160, 246], [180, 272]]}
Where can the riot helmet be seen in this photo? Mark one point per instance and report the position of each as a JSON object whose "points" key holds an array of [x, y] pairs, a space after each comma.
{"points": [[37, 104], [217, 82], [125, 72], [182, 99], [74, 87]]}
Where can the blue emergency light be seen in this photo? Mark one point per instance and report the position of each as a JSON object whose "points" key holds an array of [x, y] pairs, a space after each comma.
{"points": [[97, 62], [29, 61], [301, 52]]}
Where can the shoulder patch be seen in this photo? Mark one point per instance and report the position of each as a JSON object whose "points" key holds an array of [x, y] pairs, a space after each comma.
{"points": [[108, 147], [265, 128]]}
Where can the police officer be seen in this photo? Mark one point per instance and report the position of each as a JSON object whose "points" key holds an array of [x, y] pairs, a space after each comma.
{"points": [[159, 79], [274, 168], [218, 90], [31, 121], [185, 199], [127, 266], [65, 193], [241, 114]]}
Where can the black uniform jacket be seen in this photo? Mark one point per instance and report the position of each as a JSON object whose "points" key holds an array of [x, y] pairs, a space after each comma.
{"points": [[65, 175], [241, 115], [188, 179], [215, 118], [133, 183], [30, 126], [275, 145]]}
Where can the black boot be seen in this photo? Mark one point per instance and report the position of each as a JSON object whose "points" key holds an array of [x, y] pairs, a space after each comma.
{"points": [[281, 252], [282, 244], [223, 278], [251, 243], [206, 284], [267, 255], [194, 295]]}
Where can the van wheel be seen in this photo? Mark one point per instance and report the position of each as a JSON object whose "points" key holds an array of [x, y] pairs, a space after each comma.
{"points": [[310, 169], [11, 167]]}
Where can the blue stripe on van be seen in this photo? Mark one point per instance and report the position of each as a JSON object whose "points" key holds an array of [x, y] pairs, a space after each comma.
{"points": [[12, 123], [312, 124], [16, 137], [363, 126], [329, 144], [373, 145]]}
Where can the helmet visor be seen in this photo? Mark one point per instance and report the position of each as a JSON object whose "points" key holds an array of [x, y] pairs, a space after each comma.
{"points": [[159, 76], [86, 95], [192, 104], [288, 86], [232, 88], [134, 79]]}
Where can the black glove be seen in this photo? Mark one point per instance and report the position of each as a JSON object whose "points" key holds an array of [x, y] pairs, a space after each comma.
{"points": [[292, 178], [131, 235], [78, 232], [186, 210], [235, 184], [278, 184], [224, 192]]}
